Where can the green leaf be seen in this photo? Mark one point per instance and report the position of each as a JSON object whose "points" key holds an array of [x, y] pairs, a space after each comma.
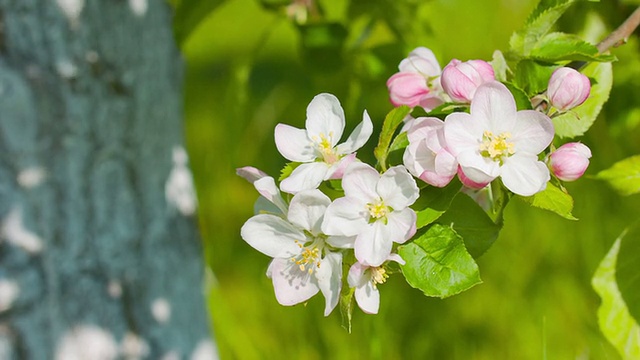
{"points": [[628, 271], [557, 47], [613, 316], [391, 122], [287, 170], [500, 67], [624, 176], [471, 222], [578, 120], [532, 76], [189, 14], [522, 99], [399, 143], [346, 306], [433, 202], [552, 199], [438, 263], [543, 17]]}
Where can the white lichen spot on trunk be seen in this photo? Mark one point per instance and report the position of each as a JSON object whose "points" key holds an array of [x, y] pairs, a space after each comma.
{"points": [[66, 69], [14, 232], [87, 342], [31, 177], [72, 10], [161, 310], [139, 7], [114, 289], [205, 350], [133, 347], [179, 190], [9, 292]]}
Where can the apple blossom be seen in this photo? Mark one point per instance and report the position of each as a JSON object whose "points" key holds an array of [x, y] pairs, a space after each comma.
{"points": [[302, 262], [266, 187], [365, 279], [427, 157], [568, 88], [375, 211], [461, 79], [417, 82], [496, 140], [570, 161], [315, 146]]}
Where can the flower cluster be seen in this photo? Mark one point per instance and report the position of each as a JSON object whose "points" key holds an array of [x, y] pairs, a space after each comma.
{"points": [[482, 139]]}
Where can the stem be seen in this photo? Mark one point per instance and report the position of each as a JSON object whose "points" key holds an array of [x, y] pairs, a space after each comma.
{"points": [[620, 35]]}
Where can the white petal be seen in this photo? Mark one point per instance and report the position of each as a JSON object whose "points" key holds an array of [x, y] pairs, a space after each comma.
{"points": [[397, 188], [478, 168], [359, 181], [524, 174], [533, 132], [336, 170], [358, 137], [341, 242], [250, 173], [462, 133], [423, 127], [305, 177], [264, 206], [445, 163], [401, 225], [307, 209], [372, 246], [368, 298], [292, 286], [268, 189], [397, 258], [345, 217], [494, 105], [356, 276], [325, 117], [272, 236], [329, 277], [294, 144]]}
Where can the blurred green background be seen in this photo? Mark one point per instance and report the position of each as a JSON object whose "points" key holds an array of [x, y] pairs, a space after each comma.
{"points": [[253, 64]]}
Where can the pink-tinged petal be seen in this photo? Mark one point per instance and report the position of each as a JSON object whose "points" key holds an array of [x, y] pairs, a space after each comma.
{"points": [[272, 236], [292, 286], [294, 144], [421, 60], [533, 132], [524, 175], [397, 188], [345, 217], [417, 158], [431, 101], [307, 209], [470, 183], [356, 276], [268, 189], [463, 133], [424, 128], [250, 173], [325, 117], [341, 242], [570, 161], [407, 88], [446, 164], [372, 245], [336, 171], [477, 168], [401, 225], [359, 181], [397, 258], [329, 276], [368, 298], [305, 177], [494, 105], [358, 137]]}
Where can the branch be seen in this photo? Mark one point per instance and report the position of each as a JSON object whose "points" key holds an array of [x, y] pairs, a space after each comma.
{"points": [[620, 35]]}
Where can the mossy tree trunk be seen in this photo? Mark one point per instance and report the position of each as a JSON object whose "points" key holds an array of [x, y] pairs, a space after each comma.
{"points": [[99, 257]]}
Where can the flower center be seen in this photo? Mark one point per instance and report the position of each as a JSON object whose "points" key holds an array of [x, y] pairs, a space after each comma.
{"points": [[378, 276], [323, 144], [377, 210], [496, 147], [308, 259]]}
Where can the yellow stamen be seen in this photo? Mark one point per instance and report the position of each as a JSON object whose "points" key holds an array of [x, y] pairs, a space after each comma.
{"points": [[378, 275], [496, 147], [377, 209]]}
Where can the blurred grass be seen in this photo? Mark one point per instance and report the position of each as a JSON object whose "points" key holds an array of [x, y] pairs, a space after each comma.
{"points": [[246, 73]]}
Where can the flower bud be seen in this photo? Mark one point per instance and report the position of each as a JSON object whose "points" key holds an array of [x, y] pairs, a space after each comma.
{"points": [[568, 88], [570, 161], [418, 81], [407, 88], [461, 79]]}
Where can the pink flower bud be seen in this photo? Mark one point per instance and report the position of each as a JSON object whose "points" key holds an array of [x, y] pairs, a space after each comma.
{"points": [[568, 88], [570, 161], [461, 79], [407, 88]]}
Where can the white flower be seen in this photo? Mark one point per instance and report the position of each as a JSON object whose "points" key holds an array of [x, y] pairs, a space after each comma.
{"points": [[496, 140], [266, 187], [302, 264], [375, 210], [315, 146], [366, 280]]}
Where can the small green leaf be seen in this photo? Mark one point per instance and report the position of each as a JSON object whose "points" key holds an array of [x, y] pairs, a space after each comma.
{"points": [[391, 122], [400, 142], [522, 99], [543, 17], [475, 227], [287, 170], [433, 202], [614, 319], [624, 176], [552, 199], [628, 271], [500, 67], [346, 307], [577, 121], [438, 263], [532, 76], [555, 47]]}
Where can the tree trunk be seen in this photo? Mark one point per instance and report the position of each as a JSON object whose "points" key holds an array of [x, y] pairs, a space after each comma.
{"points": [[99, 258]]}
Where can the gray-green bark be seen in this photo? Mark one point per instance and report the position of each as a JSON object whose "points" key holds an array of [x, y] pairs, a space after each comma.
{"points": [[96, 260]]}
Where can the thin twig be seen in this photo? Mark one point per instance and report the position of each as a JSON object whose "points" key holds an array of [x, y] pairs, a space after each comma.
{"points": [[620, 35]]}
